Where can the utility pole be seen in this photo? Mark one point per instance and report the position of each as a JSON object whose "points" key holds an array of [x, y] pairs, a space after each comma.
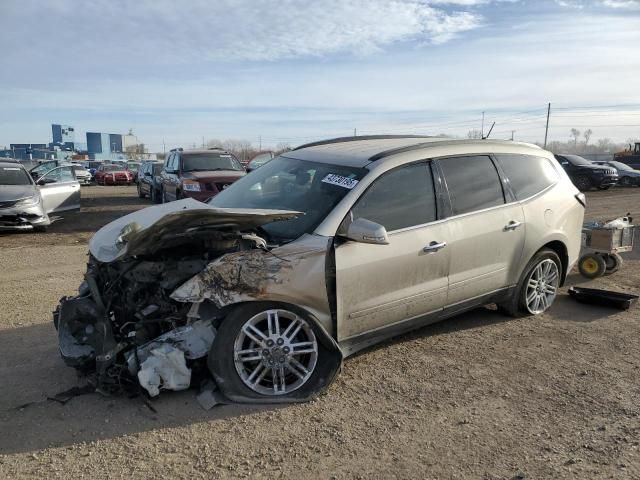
{"points": [[512, 132], [164, 148], [355, 132], [260, 142], [546, 130], [482, 127]]}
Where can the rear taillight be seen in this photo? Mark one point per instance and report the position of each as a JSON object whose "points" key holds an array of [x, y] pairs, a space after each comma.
{"points": [[582, 199]]}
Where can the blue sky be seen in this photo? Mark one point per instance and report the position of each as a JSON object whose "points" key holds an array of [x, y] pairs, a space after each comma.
{"points": [[295, 70]]}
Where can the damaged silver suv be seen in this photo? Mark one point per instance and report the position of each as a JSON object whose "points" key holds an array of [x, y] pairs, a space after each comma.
{"points": [[325, 250]]}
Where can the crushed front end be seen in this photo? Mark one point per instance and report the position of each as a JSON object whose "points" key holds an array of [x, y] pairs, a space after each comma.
{"points": [[123, 330]]}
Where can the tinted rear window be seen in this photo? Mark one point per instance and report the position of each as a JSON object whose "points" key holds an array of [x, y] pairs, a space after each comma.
{"points": [[527, 174], [473, 183]]}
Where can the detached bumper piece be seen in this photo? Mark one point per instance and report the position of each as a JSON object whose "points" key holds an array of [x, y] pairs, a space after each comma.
{"points": [[605, 298]]}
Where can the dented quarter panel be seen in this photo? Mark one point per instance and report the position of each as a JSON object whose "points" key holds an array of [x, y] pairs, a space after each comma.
{"points": [[293, 273]]}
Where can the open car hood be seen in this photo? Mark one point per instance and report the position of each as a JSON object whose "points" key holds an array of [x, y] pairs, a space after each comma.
{"points": [[154, 228]]}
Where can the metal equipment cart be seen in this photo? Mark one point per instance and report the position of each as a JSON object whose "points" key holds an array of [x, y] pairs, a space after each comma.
{"points": [[601, 248]]}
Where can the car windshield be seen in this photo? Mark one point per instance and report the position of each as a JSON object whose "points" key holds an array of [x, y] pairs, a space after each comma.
{"points": [[576, 160], [620, 166], [290, 184], [133, 166], [44, 167], [14, 176], [196, 162], [111, 168]]}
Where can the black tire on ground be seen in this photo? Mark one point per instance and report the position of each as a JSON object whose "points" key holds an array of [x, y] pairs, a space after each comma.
{"points": [[40, 228], [153, 194], [178, 195], [163, 196], [626, 182], [221, 361], [613, 262], [140, 194], [604, 187], [583, 183], [592, 265], [516, 305]]}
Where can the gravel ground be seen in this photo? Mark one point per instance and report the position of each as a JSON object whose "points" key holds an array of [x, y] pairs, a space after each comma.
{"points": [[478, 396]]}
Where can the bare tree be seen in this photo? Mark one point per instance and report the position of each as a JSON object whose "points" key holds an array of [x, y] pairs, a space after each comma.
{"points": [[473, 134], [282, 147], [575, 133], [587, 135]]}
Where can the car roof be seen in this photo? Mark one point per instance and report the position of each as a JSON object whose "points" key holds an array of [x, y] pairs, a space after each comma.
{"points": [[361, 151], [4, 163], [205, 150]]}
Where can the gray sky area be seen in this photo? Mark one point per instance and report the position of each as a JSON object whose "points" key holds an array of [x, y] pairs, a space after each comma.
{"points": [[294, 70]]}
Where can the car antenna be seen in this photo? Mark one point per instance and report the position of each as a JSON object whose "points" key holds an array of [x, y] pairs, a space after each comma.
{"points": [[489, 132]]}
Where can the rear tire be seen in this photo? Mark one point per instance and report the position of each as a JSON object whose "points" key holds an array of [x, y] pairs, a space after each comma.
{"points": [[539, 282], [592, 265], [604, 187], [140, 194], [40, 228], [626, 182]]}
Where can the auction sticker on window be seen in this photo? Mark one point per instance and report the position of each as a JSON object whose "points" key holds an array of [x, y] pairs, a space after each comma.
{"points": [[339, 180]]}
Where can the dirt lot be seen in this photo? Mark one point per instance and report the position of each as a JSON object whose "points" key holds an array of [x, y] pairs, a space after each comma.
{"points": [[477, 396]]}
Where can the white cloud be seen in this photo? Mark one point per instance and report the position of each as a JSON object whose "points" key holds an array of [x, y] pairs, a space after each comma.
{"points": [[616, 4], [159, 32]]}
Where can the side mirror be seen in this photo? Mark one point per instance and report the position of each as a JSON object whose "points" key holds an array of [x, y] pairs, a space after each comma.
{"points": [[44, 181], [365, 231]]}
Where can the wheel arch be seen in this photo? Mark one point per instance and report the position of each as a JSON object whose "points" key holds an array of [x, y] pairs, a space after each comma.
{"points": [[561, 250]]}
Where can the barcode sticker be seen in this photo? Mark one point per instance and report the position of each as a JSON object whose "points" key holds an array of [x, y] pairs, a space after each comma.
{"points": [[339, 180]]}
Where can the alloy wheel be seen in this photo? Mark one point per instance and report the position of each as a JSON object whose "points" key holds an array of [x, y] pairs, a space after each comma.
{"points": [[275, 352], [542, 286]]}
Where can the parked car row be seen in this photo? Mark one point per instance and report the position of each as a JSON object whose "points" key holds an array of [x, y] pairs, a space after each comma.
{"points": [[602, 175], [199, 174]]}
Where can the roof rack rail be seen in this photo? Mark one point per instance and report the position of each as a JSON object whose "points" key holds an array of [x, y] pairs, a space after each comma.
{"points": [[179, 149], [357, 138]]}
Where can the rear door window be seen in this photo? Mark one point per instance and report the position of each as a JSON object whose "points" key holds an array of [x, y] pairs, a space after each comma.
{"points": [[527, 174], [473, 183], [401, 198]]}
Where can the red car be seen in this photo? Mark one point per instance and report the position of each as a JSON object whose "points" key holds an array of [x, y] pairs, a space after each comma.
{"points": [[113, 175], [199, 174]]}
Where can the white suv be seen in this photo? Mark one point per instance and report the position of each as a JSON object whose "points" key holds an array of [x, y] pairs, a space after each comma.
{"points": [[327, 249]]}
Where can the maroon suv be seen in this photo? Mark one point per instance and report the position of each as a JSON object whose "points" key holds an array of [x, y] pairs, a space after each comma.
{"points": [[199, 174]]}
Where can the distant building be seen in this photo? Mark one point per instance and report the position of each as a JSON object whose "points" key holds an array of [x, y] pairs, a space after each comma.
{"points": [[104, 146], [29, 151], [63, 137]]}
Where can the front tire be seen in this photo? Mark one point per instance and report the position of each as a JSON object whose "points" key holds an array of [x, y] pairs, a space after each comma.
{"points": [[269, 353], [538, 286], [604, 187], [626, 182], [140, 194]]}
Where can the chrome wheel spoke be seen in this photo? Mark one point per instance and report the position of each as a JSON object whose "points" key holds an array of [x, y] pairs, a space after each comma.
{"points": [[254, 334], [302, 347], [273, 323], [254, 378], [542, 286], [249, 354], [300, 371]]}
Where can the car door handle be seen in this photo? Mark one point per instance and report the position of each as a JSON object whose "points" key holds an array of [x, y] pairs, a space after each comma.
{"points": [[434, 247], [512, 225]]}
